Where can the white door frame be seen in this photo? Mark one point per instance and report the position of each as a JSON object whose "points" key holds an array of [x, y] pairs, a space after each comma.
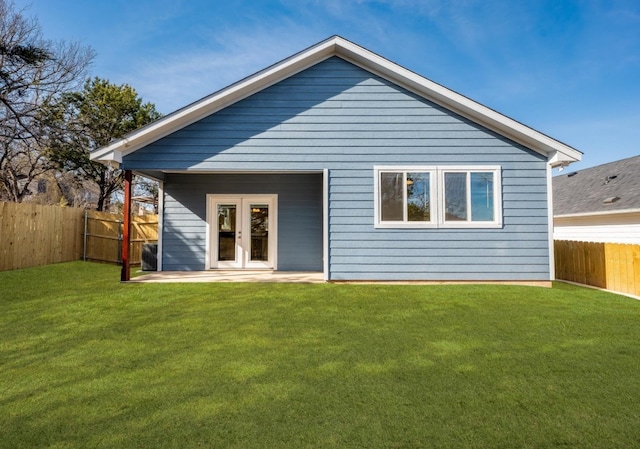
{"points": [[243, 231]]}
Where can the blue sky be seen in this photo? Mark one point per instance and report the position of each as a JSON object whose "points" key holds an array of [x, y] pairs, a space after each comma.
{"points": [[570, 69]]}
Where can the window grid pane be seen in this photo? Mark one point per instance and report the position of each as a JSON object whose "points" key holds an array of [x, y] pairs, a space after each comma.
{"points": [[482, 196], [391, 197], [259, 232], [418, 197], [226, 232], [455, 196]]}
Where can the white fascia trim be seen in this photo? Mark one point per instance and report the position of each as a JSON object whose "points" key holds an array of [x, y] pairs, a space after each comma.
{"points": [[160, 224], [560, 159], [325, 224], [552, 255], [593, 214], [240, 172], [337, 46]]}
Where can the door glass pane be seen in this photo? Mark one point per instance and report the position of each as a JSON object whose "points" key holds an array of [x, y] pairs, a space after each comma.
{"points": [[259, 232], [226, 232], [418, 200], [482, 196], [455, 196], [391, 196]]}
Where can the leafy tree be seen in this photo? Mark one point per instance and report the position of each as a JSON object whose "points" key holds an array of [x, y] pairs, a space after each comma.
{"points": [[81, 122], [32, 72]]}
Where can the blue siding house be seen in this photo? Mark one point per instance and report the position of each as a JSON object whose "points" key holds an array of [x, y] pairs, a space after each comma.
{"points": [[339, 161]]}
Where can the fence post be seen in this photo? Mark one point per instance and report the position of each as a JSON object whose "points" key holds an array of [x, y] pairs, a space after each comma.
{"points": [[125, 274], [119, 241], [84, 245]]}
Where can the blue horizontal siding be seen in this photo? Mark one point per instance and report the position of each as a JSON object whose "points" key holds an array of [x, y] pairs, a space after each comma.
{"points": [[437, 275], [339, 117]]}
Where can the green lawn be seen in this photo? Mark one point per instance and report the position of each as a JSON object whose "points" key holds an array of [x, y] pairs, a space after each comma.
{"points": [[86, 362]]}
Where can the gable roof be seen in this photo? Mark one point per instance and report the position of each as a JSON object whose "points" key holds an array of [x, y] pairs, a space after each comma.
{"points": [[556, 152], [584, 192]]}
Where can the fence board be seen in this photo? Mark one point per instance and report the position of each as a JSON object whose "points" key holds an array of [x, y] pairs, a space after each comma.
{"points": [[102, 237], [633, 281], [104, 232], [635, 251], [33, 234], [613, 266]]}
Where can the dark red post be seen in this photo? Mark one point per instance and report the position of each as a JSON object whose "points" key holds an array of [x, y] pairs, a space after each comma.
{"points": [[126, 227]]}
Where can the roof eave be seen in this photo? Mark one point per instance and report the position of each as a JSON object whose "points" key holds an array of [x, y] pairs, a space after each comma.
{"points": [[556, 152], [215, 102], [460, 104], [599, 213]]}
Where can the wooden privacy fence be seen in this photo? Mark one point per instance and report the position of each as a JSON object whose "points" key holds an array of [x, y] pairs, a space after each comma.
{"points": [[32, 235], [607, 265], [103, 236]]}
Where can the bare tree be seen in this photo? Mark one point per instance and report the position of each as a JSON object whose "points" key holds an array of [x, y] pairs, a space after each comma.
{"points": [[33, 71], [20, 164]]}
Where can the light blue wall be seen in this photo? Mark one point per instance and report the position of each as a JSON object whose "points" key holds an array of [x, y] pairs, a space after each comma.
{"points": [[299, 217], [340, 117]]}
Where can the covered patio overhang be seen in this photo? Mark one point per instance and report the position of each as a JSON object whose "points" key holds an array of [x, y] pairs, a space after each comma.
{"points": [[288, 273]]}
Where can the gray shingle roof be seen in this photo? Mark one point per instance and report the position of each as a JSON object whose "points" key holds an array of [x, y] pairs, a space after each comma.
{"points": [[586, 190]]}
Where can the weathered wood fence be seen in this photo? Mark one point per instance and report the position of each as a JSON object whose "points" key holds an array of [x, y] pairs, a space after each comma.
{"points": [[607, 265], [33, 235], [103, 237]]}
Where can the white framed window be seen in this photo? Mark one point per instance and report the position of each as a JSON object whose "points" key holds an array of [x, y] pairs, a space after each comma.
{"points": [[405, 197], [438, 196]]}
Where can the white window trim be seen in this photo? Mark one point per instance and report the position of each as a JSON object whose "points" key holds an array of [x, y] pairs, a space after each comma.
{"points": [[242, 260], [497, 196], [436, 185], [405, 169]]}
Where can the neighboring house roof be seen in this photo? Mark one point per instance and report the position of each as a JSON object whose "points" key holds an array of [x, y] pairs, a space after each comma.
{"points": [[557, 152], [606, 188]]}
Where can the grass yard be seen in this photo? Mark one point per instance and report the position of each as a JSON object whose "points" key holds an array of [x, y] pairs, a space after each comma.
{"points": [[86, 362]]}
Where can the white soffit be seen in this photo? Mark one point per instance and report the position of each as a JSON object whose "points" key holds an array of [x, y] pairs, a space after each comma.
{"points": [[557, 152]]}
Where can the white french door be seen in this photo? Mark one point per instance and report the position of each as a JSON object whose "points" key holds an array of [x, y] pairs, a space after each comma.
{"points": [[242, 231]]}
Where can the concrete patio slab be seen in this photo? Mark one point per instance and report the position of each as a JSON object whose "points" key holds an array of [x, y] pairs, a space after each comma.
{"points": [[231, 276], [307, 277]]}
